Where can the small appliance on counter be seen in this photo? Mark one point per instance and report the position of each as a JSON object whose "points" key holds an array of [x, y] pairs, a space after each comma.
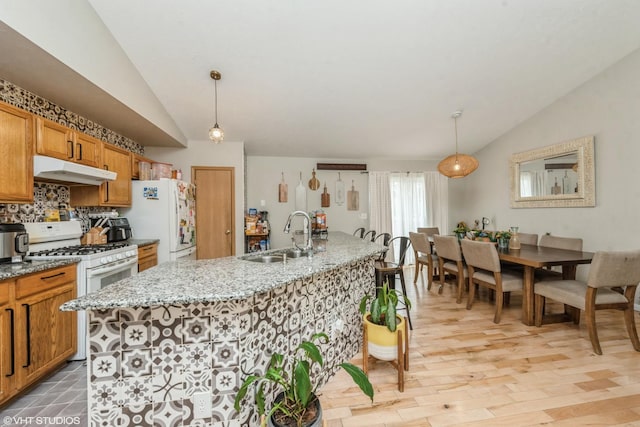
{"points": [[118, 229], [14, 243]]}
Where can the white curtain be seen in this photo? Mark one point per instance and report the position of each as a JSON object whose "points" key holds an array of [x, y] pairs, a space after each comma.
{"points": [[437, 193], [380, 204], [408, 204], [531, 184]]}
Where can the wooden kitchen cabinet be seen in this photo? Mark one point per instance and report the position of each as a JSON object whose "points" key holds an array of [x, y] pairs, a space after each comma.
{"points": [[16, 155], [147, 256], [42, 336], [112, 193], [55, 140]]}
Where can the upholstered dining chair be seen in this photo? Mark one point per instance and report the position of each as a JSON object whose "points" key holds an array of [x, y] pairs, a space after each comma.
{"points": [[450, 261], [423, 255], [359, 232], [483, 264], [528, 238], [371, 234], [383, 239], [429, 231], [548, 241], [389, 269], [608, 270]]}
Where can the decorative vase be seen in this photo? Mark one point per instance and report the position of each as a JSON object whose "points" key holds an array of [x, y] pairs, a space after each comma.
{"points": [[503, 242], [514, 242], [381, 342]]}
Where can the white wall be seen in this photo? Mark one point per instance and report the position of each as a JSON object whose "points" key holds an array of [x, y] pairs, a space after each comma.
{"points": [[265, 173], [206, 153], [607, 107]]}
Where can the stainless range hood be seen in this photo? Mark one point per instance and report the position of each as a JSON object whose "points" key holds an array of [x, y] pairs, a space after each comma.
{"points": [[60, 170]]}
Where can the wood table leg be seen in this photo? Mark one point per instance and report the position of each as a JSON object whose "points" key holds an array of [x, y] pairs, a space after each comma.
{"points": [[365, 349], [527, 296]]}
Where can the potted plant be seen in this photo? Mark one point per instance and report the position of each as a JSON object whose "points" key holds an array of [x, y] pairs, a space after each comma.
{"points": [[296, 404], [461, 230], [382, 322], [502, 237]]}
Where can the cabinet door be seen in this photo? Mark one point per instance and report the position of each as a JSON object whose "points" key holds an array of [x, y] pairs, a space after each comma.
{"points": [[16, 155], [118, 192], [8, 368], [54, 140], [147, 256], [135, 165], [87, 150], [45, 336]]}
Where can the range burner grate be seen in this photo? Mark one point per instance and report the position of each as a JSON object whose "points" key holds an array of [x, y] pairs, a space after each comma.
{"points": [[80, 249]]}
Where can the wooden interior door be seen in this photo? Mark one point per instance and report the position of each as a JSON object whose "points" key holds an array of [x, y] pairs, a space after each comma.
{"points": [[215, 201]]}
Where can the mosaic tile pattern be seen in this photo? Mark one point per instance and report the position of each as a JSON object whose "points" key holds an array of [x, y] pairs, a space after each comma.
{"points": [[146, 363]]}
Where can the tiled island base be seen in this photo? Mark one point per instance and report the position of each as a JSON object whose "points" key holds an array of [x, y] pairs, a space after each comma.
{"points": [[146, 364]]}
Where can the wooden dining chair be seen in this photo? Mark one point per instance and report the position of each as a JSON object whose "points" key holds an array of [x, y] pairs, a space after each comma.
{"points": [[450, 262], [429, 231], [389, 269], [359, 232], [528, 238], [483, 266], [549, 241], [608, 272], [424, 257], [371, 234], [383, 239]]}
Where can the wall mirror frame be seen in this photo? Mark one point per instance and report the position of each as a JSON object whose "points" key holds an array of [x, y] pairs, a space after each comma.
{"points": [[580, 150]]}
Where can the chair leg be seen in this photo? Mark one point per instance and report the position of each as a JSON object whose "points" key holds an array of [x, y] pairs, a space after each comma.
{"points": [[629, 318], [404, 291], [417, 272], [590, 316], [400, 357], [499, 302], [472, 290], [460, 282]]}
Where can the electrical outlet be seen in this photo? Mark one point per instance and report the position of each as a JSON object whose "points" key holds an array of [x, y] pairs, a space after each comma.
{"points": [[363, 215], [201, 405]]}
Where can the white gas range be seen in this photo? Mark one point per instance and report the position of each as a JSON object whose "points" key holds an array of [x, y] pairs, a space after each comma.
{"points": [[99, 266]]}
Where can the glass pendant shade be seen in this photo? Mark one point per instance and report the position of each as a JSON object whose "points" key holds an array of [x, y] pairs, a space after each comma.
{"points": [[216, 134], [457, 165]]}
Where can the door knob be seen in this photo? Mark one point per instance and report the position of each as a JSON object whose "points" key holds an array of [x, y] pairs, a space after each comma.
{"points": [[227, 232]]}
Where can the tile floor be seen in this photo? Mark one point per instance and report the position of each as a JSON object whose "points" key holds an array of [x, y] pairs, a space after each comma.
{"points": [[62, 397]]}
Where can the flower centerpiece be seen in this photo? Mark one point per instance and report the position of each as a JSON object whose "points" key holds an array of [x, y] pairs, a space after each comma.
{"points": [[502, 237], [461, 230]]}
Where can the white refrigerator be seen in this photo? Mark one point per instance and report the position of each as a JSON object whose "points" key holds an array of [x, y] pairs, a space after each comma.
{"points": [[165, 209]]}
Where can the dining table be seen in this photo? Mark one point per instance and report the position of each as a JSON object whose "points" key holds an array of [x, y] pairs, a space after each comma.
{"points": [[532, 257]]}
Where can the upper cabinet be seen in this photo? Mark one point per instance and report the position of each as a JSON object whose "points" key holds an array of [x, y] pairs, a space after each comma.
{"points": [[112, 193], [16, 155], [59, 141]]}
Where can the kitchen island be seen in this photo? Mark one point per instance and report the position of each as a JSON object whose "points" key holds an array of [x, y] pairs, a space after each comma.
{"points": [[190, 329]]}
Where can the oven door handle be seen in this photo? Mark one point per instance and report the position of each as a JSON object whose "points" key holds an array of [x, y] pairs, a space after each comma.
{"points": [[102, 272]]}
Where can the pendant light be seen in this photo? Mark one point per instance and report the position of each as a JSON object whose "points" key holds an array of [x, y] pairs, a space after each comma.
{"points": [[215, 133], [457, 165]]}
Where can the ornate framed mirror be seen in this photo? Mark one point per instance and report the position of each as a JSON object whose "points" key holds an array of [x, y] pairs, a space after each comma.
{"points": [[556, 176]]}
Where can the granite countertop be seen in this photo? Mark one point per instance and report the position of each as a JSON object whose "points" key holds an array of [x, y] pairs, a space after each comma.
{"points": [[142, 242], [221, 279], [12, 271]]}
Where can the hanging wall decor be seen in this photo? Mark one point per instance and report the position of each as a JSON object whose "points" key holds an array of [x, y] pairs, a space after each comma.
{"points": [[283, 191], [301, 196], [339, 191], [353, 198], [325, 198], [314, 184]]}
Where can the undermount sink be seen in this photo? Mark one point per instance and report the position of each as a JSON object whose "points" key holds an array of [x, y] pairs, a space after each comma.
{"points": [[265, 259]]}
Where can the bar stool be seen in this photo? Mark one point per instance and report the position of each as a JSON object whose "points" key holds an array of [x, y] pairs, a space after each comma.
{"points": [[389, 270]]}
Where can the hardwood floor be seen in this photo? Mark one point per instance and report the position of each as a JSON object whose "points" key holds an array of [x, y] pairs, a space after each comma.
{"points": [[467, 371]]}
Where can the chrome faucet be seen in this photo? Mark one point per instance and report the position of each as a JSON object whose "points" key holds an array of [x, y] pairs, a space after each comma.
{"points": [[287, 229]]}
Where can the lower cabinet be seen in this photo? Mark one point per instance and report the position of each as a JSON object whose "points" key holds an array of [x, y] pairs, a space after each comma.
{"points": [[147, 256], [36, 336]]}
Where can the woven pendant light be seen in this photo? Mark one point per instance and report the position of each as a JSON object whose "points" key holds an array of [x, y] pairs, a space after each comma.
{"points": [[457, 165]]}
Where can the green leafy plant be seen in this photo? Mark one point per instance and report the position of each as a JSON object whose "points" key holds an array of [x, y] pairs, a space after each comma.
{"points": [[461, 227], [298, 391], [383, 306]]}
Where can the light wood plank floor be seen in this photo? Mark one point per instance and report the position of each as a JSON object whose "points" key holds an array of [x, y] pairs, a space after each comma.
{"points": [[467, 371]]}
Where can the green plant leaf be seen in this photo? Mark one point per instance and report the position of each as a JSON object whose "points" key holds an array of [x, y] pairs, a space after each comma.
{"points": [[363, 304], [302, 382], [390, 318], [312, 352], [360, 378], [243, 390], [376, 311]]}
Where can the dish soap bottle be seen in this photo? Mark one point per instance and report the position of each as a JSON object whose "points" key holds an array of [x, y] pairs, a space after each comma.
{"points": [[514, 242]]}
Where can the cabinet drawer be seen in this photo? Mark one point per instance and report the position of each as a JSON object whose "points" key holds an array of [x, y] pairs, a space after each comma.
{"points": [[147, 263], [45, 280], [146, 251]]}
